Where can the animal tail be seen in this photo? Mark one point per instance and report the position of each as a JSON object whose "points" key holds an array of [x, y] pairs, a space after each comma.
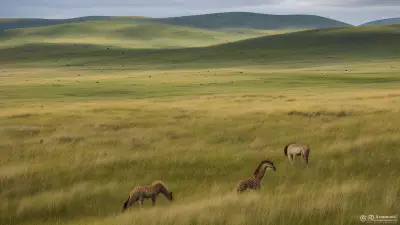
{"points": [[126, 204], [285, 150]]}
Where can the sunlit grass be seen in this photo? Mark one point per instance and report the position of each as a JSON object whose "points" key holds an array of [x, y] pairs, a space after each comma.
{"points": [[75, 140], [128, 34]]}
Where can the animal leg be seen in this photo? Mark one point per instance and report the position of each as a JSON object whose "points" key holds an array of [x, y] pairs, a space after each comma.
{"points": [[141, 202], [153, 200], [290, 156], [306, 155]]}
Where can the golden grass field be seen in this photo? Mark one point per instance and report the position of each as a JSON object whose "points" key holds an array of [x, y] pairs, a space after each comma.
{"points": [[75, 140]]}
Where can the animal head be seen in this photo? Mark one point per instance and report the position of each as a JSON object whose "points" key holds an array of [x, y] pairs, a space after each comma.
{"points": [[269, 164], [264, 164]]}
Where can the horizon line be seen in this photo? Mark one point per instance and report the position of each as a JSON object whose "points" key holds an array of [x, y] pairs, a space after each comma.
{"points": [[200, 14]]}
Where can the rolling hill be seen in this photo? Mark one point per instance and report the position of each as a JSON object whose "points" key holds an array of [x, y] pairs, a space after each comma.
{"points": [[210, 21], [124, 33], [323, 45], [90, 110], [6, 23], [383, 21], [253, 21]]}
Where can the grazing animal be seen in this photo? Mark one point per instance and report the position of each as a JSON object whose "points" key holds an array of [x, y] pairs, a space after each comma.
{"points": [[296, 149], [139, 193], [254, 182]]}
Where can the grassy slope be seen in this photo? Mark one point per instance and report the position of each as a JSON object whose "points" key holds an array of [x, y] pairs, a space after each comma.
{"points": [[118, 122], [253, 20], [383, 21], [306, 46], [126, 34], [9, 23]]}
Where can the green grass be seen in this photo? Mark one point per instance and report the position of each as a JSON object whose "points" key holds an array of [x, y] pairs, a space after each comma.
{"points": [[118, 33], [13, 23], [290, 49], [74, 140]]}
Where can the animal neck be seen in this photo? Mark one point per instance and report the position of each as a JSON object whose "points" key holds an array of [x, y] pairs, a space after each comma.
{"points": [[261, 172], [163, 190]]}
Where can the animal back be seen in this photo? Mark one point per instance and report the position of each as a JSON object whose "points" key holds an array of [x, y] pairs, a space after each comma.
{"points": [[296, 148]]}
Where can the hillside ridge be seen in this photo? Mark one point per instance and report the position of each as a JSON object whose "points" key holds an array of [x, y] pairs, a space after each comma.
{"points": [[394, 20], [211, 21]]}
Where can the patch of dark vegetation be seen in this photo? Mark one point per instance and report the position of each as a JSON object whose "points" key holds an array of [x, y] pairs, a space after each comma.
{"points": [[181, 116], [24, 131], [110, 142], [320, 113], [173, 135], [140, 142], [22, 115], [116, 126], [250, 96], [116, 110], [69, 139]]}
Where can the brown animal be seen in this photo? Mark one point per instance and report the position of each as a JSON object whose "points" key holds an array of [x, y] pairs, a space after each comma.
{"points": [[296, 149], [254, 182], [139, 193]]}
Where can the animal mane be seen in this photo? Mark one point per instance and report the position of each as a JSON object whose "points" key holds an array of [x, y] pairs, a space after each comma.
{"points": [[259, 166], [158, 182]]}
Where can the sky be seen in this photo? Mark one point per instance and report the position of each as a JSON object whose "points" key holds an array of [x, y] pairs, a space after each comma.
{"points": [[351, 11]]}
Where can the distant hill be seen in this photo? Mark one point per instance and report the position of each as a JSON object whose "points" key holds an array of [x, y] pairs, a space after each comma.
{"points": [[384, 21], [6, 24], [209, 21], [125, 33], [318, 45], [252, 21]]}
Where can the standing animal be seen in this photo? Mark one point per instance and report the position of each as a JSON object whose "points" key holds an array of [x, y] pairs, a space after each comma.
{"points": [[296, 149], [254, 182], [139, 193]]}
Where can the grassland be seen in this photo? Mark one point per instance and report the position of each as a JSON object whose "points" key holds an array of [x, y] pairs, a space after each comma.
{"points": [[14, 23], [81, 125], [119, 33]]}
